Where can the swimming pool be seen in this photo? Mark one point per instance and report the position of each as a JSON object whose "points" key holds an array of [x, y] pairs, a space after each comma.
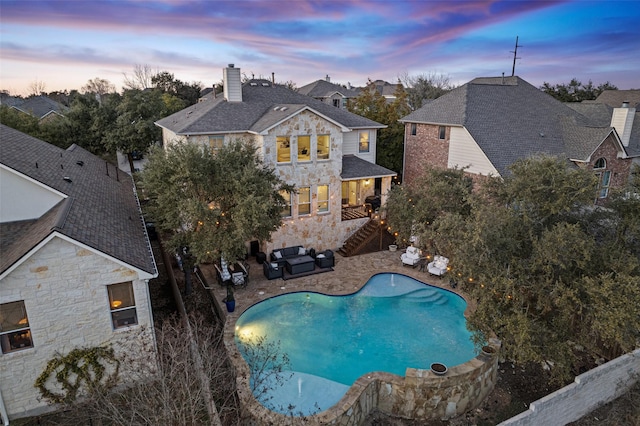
{"points": [[394, 322]]}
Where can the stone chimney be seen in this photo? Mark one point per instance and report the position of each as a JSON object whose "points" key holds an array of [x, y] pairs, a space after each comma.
{"points": [[232, 84], [622, 121]]}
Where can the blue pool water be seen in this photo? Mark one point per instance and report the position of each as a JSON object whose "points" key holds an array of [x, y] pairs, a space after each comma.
{"points": [[392, 323]]}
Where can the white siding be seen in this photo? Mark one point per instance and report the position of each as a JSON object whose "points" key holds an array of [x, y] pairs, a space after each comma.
{"points": [[63, 287], [22, 199], [464, 151], [350, 145]]}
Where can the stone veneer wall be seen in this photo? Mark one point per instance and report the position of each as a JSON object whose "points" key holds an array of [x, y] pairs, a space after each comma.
{"points": [[420, 395], [64, 290]]}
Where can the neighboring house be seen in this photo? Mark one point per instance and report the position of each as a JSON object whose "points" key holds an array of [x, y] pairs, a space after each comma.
{"points": [[7, 100], [328, 153], [385, 89], [329, 93], [489, 123], [41, 107], [75, 262]]}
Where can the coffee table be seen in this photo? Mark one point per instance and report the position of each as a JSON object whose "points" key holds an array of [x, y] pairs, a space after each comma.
{"points": [[297, 265]]}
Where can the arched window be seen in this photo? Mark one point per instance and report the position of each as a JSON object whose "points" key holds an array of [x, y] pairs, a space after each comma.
{"points": [[604, 177]]}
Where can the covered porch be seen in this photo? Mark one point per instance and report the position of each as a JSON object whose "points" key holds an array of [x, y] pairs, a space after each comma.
{"points": [[364, 187]]}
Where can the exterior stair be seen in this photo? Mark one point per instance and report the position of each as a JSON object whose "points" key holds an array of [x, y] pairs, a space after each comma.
{"points": [[371, 237]]}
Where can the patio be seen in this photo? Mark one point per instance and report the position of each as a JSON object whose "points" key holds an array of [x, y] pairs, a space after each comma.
{"points": [[350, 273]]}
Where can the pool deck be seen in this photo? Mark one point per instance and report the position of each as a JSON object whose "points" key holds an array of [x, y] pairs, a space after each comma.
{"points": [[348, 276]]}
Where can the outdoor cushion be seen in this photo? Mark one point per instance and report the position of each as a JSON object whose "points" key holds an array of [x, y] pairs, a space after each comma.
{"points": [[277, 254], [301, 251]]}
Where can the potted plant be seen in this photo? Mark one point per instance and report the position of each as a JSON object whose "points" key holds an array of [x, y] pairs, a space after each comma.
{"points": [[488, 350], [439, 368], [230, 300]]}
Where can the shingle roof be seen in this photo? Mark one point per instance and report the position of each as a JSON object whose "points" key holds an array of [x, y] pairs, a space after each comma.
{"points": [[259, 97], [40, 106], [511, 119], [101, 209], [324, 89], [356, 168], [615, 98]]}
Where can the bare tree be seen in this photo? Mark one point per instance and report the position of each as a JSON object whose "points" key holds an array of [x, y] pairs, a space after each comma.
{"points": [[425, 86], [98, 86], [140, 78], [164, 387], [36, 88]]}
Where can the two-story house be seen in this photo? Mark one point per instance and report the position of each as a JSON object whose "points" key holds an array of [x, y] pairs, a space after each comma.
{"points": [[74, 266], [489, 123], [329, 93], [328, 153]]}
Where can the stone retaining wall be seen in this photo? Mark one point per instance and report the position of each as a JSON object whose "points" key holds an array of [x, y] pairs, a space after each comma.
{"points": [[420, 395]]}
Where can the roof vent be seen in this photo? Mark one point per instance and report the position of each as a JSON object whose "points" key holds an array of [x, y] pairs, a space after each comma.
{"points": [[253, 83], [80, 163], [625, 104], [283, 108], [265, 84], [67, 179]]}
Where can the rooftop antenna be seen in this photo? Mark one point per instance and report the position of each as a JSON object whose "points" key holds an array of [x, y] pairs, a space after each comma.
{"points": [[515, 53]]}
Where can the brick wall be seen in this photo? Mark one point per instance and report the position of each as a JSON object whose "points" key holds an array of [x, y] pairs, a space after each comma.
{"points": [[424, 149], [619, 167]]}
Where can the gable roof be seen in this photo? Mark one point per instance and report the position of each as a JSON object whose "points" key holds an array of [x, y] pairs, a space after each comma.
{"points": [[511, 119], [259, 98], [615, 98], [101, 210], [326, 89], [41, 106]]}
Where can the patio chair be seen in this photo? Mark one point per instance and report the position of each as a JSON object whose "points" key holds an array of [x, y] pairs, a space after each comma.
{"points": [[240, 275], [438, 266], [411, 257], [272, 270]]}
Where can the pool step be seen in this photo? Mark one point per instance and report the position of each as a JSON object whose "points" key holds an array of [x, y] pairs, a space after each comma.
{"points": [[425, 295]]}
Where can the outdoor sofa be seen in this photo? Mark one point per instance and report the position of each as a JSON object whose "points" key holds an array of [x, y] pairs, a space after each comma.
{"points": [[280, 256]]}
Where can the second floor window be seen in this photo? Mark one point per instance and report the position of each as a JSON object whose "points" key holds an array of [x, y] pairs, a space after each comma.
{"points": [[323, 198], [283, 144], [323, 147], [304, 201], [304, 148], [122, 305], [414, 129], [442, 132], [363, 141], [15, 333]]}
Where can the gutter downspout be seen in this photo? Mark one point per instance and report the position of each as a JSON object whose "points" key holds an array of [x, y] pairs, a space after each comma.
{"points": [[3, 411]]}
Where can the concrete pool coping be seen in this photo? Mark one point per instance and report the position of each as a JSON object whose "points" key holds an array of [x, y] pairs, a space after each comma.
{"points": [[383, 391]]}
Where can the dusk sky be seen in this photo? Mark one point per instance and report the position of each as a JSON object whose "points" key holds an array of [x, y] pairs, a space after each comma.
{"points": [[63, 44]]}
